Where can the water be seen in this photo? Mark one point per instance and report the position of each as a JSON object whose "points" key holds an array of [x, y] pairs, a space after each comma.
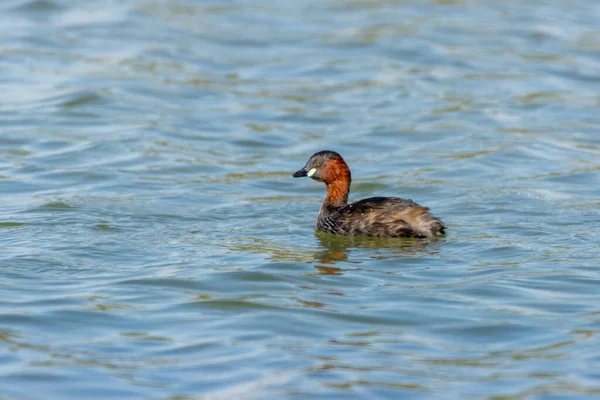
{"points": [[155, 245]]}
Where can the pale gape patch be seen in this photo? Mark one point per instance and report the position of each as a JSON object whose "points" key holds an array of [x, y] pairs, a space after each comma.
{"points": [[312, 172]]}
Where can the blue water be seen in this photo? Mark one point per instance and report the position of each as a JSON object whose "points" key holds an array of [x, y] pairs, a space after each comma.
{"points": [[155, 245]]}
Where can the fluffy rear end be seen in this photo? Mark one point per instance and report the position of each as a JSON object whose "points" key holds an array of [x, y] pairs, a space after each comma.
{"points": [[423, 222], [426, 224]]}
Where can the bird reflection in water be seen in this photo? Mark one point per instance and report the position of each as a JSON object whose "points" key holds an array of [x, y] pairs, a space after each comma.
{"points": [[338, 248]]}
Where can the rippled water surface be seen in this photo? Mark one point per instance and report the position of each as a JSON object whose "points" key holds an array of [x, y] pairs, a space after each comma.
{"points": [[155, 246]]}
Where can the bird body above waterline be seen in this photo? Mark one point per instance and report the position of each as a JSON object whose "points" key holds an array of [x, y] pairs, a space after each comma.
{"points": [[375, 216]]}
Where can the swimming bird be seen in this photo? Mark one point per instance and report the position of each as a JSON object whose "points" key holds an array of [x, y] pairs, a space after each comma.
{"points": [[375, 216]]}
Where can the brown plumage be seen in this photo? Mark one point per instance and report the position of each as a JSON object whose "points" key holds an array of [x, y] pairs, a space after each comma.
{"points": [[375, 216]]}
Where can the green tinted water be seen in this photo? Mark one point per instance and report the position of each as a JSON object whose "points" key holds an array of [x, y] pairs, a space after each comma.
{"points": [[156, 246]]}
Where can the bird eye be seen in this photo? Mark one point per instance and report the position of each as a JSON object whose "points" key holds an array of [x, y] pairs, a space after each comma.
{"points": [[318, 165]]}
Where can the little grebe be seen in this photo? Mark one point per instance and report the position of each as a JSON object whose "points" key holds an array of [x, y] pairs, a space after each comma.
{"points": [[376, 216]]}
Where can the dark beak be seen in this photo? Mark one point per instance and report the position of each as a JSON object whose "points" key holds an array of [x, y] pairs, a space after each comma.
{"points": [[300, 173]]}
